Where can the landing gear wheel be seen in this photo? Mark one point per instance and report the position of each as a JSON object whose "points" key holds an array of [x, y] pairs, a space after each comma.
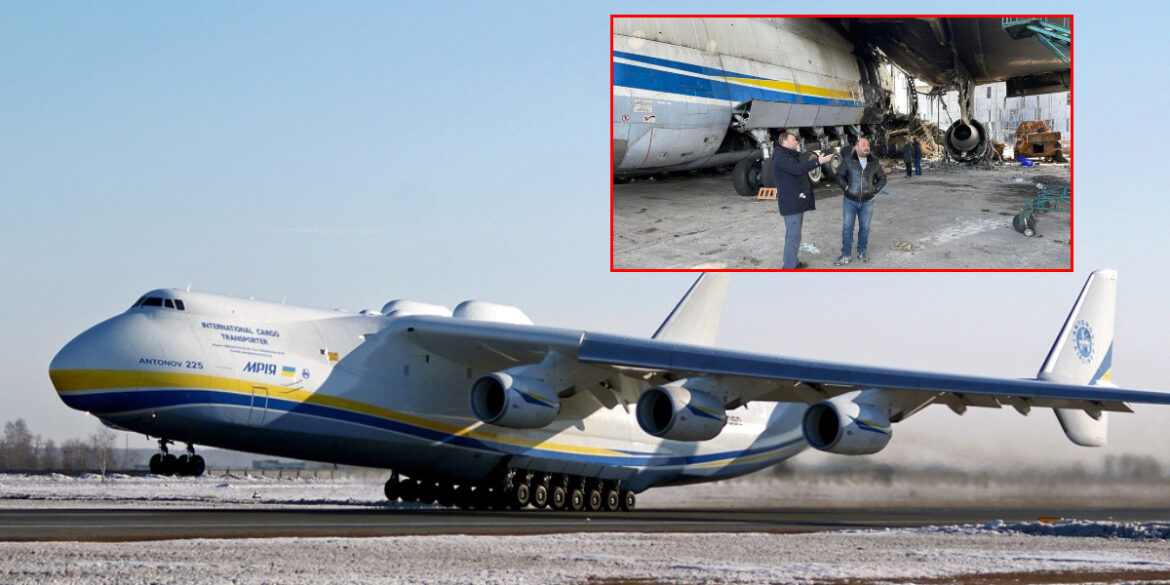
{"points": [[156, 464], [628, 500], [426, 492], [198, 465], [612, 500], [391, 488], [446, 495], [540, 496], [594, 503], [577, 500], [408, 490], [560, 497], [816, 174], [169, 464], [830, 168], [746, 177], [521, 494]]}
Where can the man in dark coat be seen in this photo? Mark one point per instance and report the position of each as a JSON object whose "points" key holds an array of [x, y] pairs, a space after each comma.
{"points": [[917, 158], [861, 177], [794, 193], [908, 156]]}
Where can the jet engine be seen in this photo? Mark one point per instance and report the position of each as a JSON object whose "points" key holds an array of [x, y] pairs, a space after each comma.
{"points": [[512, 401], [681, 414], [967, 142], [843, 425]]}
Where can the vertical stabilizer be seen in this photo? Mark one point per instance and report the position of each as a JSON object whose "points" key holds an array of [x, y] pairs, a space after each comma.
{"points": [[1083, 354], [696, 317]]}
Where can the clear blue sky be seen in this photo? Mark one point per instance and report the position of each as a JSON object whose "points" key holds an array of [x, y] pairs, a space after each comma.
{"points": [[345, 154]]}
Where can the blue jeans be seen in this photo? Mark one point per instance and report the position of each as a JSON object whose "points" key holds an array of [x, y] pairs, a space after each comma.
{"points": [[850, 212], [917, 166], [792, 226]]}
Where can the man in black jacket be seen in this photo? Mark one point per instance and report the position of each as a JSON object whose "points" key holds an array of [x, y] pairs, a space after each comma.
{"points": [[861, 177], [794, 193]]}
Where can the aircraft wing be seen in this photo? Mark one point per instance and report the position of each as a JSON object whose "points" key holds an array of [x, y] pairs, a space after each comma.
{"points": [[986, 49], [743, 376], [793, 378]]}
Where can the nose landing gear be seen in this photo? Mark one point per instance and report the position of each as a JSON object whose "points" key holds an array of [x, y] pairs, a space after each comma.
{"points": [[188, 465]]}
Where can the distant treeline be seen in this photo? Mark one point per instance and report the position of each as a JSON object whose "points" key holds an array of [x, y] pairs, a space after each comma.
{"points": [[1120, 467], [22, 450]]}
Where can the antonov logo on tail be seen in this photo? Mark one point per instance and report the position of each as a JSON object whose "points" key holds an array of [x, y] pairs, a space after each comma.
{"points": [[477, 407]]}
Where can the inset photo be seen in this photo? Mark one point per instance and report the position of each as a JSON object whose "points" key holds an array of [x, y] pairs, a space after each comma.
{"points": [[900, 143]]}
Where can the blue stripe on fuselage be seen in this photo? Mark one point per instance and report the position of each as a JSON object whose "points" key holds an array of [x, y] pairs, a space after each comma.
{"points": [[637, 77], [156, 399]]}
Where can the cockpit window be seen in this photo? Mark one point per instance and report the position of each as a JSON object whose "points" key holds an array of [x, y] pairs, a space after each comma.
{"points": [[170, 304], [152, 302], [160, 302], [179, 305]]}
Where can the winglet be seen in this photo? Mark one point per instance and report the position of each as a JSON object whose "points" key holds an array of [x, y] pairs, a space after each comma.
{"points": [[696, 317], [1083, 354]]}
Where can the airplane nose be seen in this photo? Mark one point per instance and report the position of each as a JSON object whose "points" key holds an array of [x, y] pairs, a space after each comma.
{"points": [[82, 363]]}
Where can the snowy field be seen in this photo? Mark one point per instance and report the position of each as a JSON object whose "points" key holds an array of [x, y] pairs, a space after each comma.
{"points": [[1062, 552]]}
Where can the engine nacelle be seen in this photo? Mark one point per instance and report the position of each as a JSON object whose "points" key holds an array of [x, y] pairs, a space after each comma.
{"points": [[675, 412], [512, 401], [967, 142], [842, 425]]}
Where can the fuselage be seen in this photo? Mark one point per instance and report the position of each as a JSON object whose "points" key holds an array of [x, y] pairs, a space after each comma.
{"points": [[356, 389], [680, 86]]}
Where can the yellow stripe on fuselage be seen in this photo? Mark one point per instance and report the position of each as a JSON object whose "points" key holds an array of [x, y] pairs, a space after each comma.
{"points": [[87, 380], [794, 88]]}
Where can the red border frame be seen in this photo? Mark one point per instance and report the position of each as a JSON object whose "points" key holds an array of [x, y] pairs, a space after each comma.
{"points": [[1071, 115]]}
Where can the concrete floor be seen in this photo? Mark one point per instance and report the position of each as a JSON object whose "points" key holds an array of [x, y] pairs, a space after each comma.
{"points": [[955, 218]]}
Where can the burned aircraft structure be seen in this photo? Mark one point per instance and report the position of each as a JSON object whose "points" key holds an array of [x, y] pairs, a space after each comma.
{"points": [[961, 53], [692, 93]]}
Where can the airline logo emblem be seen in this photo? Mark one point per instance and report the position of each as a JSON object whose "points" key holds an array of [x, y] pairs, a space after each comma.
{"points": [[260, 368], [1083, 341]]}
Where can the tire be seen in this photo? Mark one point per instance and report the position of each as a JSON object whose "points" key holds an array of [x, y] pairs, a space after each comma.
{"points": [[156, 464], [170, 464], [816, 174], [522, 494], [767, 179], [629, 500], [746, 177], [391, 488], [577, 500], [830, 168], [408, 490], [198, 465], [594, 500], [445, 495], [183, 465], [559, 499], [540, 496], [613, 500]]}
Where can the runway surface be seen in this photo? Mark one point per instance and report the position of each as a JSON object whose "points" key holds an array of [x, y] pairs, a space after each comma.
{"points": [[116, 525]]}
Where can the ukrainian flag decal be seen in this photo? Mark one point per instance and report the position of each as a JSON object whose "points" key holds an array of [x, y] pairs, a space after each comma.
{"points": [[288, 371]]}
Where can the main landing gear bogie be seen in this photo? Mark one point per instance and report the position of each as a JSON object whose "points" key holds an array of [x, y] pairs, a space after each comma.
{"points": [[519, 490], [186, 465]]}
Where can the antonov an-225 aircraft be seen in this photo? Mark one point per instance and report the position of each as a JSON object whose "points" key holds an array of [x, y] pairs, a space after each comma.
{"points": [[478, 407]]}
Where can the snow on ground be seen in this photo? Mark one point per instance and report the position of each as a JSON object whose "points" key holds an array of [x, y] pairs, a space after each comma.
{"points": [[890, 556], [1104, 552]]}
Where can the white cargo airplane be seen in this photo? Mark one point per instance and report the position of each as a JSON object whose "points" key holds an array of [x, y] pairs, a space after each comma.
{"points": [[478, 407]]}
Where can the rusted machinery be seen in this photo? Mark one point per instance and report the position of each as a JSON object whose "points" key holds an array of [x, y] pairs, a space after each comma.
{"points": [[1036, 139]]}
